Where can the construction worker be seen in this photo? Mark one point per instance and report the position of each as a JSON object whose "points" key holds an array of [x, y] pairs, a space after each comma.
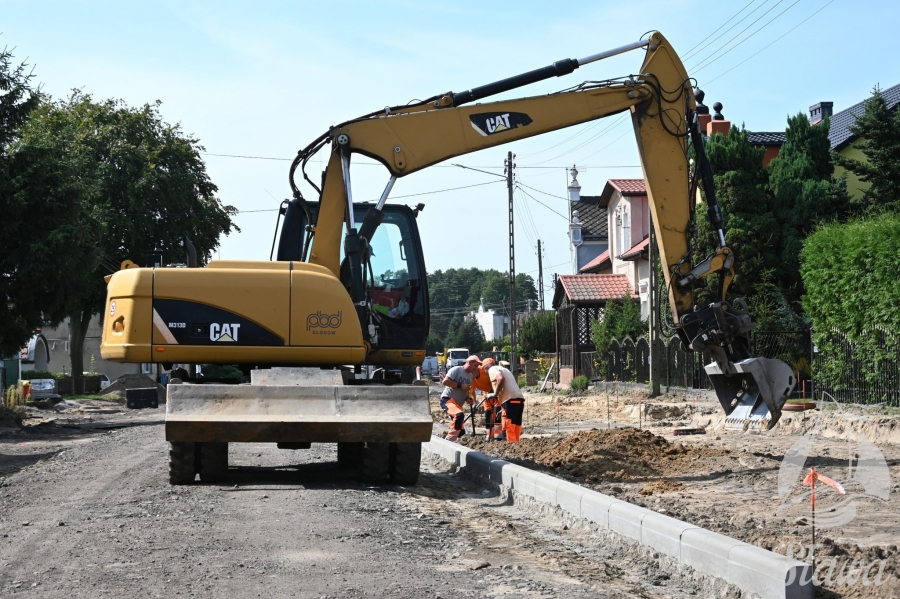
{"points": [[457, 383], [490, 404], [512, 401]]}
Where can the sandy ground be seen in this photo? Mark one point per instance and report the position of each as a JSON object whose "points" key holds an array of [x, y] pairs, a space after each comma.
{"points": [[86, 511], [729, 481]]}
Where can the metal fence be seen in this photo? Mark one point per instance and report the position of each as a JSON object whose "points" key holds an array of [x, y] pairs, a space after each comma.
{"points": [[863, 373], [629, 361]]}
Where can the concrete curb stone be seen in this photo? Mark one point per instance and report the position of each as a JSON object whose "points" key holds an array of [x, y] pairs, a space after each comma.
{"points": [[625, 519], [595, 507], [751, 568]]}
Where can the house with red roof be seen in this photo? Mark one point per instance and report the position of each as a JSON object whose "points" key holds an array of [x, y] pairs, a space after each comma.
{"points": [[627, 212], [609, 237]]}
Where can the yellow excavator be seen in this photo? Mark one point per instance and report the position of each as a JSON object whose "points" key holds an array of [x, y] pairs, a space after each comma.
{"points": [[348, 285]]}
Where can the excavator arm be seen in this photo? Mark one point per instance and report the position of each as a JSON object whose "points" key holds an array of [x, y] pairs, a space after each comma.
{"points": [[408, 139], [662, 106]]}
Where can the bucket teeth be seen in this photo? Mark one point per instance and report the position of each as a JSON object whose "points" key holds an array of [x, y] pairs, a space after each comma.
{"points": [[753, 393]]}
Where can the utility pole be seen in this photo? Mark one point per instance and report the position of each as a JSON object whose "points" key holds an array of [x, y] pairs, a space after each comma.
{"points": [[540, 279], [655, 357], [513, 338]]}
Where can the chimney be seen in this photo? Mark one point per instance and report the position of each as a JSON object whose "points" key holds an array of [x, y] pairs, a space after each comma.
{"points": [[703, 116], [718, 123], [820, 111]]}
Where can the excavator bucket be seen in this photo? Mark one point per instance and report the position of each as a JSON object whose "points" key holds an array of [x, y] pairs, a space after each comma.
{"points": [[297, 413], [754, 394]]}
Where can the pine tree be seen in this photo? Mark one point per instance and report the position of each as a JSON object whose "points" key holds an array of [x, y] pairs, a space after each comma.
{"points": [[879, 131], [751, 228], [805, 194]]}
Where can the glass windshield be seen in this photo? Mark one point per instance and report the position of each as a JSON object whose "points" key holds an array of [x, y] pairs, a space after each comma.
{"points": [[459, 354]]}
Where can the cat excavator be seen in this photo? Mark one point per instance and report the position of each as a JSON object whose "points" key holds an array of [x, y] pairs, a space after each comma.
{"points": [[347, 290]]}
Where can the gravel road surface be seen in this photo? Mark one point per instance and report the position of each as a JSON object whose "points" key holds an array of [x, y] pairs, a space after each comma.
{"points": [[86, 511]]}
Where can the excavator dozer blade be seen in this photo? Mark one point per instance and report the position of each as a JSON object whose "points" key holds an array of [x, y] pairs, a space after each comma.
{"points": [[754, 394], [292, 413]]}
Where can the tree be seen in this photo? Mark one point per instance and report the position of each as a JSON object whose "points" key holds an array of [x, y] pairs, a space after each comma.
{"points": [[456, 292], [750, 227], [467, 334], [621, 318], [765, 217], [804, 193], [144, 181], [434, 344], [43, 260], [878, 130], [537, 332]]}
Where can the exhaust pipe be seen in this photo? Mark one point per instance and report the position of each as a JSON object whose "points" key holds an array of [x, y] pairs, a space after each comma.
{"points": [[190, 250]]}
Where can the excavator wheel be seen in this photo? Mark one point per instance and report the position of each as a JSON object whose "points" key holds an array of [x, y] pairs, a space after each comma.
{"points": [[349, 455], [182, 463], [375, 463], [213, 462], [405, 461]]}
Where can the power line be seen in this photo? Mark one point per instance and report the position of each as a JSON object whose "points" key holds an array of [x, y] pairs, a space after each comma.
{"points": [[740, 33], [544, 205], [433, 166], [608, 145], [771, 43], [748, 37], [543, 192], [715, 31], [691, 53], [600, 134], [410, 195]]}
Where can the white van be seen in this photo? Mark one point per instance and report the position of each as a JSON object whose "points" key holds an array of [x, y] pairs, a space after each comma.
{"points": [[430, 366], [456, 356]]}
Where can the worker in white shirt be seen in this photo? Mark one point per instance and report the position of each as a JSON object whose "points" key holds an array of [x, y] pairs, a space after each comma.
{"points": [[512, 401]]}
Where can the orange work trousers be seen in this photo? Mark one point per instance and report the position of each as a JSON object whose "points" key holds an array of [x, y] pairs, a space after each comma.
{"points": [[457, 420], [513, 410]]}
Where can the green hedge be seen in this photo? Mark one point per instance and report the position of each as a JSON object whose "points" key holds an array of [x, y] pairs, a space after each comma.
{"points": [[28, 375], [853, 296], [851, 276]]}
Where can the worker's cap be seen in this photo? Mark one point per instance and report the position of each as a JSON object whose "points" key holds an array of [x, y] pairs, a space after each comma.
{"points": [[487, 363], [475, 359]]}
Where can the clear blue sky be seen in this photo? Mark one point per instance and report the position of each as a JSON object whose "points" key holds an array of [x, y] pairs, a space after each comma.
{"points": [[265, 78]]}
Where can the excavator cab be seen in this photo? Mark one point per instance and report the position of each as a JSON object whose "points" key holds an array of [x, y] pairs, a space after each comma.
{"points": [[394, 273]]}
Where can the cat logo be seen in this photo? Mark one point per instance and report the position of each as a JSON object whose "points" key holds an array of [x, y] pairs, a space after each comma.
{"points": [[323, 321], [227, 333], [489, 123]]}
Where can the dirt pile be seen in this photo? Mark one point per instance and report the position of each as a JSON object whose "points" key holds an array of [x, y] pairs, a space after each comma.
{"points": [[621, 454]]}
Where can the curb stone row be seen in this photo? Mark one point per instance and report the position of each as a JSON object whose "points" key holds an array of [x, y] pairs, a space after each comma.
{"points": [[750, 568]]}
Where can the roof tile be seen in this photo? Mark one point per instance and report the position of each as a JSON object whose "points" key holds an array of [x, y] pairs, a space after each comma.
{"points": [[629, 187], [635, 252], [839, 134], [595, 288], [766, 138]]}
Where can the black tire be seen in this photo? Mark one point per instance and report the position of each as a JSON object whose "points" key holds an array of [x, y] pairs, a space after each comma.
{"points": [[405, 461], [375, 463], [213, 462], [182, 463], [349, 455]]}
